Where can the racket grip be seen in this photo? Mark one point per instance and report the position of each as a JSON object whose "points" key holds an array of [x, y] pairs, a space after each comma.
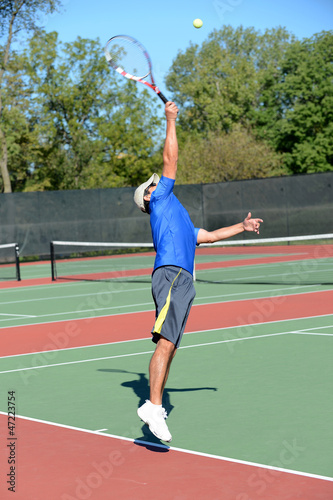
{"points": [[161, 96]]}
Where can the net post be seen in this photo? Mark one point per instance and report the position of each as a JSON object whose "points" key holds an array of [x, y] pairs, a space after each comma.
{"points": [[52, 261], [17, 262]]}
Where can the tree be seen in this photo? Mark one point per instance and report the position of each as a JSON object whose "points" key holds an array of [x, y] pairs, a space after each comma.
{"points": [[220, 87], [15, 123], [95, 129], [15, 16], [302, 126], [278, 87], [220, 83], [222, 157]]}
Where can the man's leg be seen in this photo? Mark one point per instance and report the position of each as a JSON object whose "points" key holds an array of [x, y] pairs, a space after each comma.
{"points": [[159, 368], [152, 413], [167, 373]]}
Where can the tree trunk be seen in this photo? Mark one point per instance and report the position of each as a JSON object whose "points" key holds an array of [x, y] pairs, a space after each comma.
{"points": [[7, 187]]}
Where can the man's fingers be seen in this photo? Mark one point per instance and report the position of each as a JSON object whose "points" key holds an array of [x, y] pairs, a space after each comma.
{"points": [[171, 105]]}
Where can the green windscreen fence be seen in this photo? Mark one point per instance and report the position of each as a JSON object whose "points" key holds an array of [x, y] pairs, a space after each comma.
{"points": [[290, 206]]}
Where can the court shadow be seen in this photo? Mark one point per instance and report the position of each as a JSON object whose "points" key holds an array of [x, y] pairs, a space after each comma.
{"points": [[147, 441], [140, 387]]}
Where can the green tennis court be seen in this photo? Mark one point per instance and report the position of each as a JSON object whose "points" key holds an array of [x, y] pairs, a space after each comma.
{"points": [[248, 397]]}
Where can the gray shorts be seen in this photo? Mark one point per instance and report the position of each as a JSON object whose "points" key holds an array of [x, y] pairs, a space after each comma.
{"points": [[173, 293]]}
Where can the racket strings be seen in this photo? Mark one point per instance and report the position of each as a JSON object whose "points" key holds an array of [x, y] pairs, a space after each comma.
{"points": [[129, 57]]}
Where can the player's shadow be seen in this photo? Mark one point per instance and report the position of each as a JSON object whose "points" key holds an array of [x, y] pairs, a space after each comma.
{"points": [[140, 387]]}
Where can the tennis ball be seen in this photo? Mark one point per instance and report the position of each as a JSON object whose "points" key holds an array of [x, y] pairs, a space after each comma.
{"points": [[197, 23]]}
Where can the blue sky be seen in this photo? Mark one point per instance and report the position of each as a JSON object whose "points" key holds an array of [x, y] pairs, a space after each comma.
{"points": [[164, 28]]}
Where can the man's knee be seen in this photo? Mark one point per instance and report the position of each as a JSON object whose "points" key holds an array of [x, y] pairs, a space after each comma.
{"points": [[166, 345]]}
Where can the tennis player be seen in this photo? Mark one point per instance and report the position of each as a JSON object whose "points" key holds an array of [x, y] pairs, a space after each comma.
{"points": [[175, 239]]}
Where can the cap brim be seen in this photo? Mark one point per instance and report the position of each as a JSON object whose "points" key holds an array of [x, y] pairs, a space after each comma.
{"points": [[139, 192]]}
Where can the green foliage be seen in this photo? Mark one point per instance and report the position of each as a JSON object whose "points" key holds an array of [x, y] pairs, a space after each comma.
{"points": [[93, 129], [251, 105], [304, 131], [218, 84], [25, 15], [279, 87], [14, 121], [16, 16], [222, 157]]}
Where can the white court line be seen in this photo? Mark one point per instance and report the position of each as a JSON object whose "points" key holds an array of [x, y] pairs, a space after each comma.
{"points": [[233, 340], [256, 292], [309, 331], [316, 327], [140, 305], [149, 338], [89, 346], [51, 315], [173, 448], [290, 263], [246, 279], [106, 292], [18, 315], [76, 362], [53, 284], [88, 318], [300, 332], [140, 353]]}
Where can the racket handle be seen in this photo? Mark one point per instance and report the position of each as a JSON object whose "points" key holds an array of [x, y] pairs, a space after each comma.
{"points": [[161, 96]]}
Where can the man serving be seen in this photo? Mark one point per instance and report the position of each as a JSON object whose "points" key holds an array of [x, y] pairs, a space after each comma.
{"points": [[175, 239]]}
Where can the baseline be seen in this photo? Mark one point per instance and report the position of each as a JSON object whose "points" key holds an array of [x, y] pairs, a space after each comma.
{"points": [[88, 462]]}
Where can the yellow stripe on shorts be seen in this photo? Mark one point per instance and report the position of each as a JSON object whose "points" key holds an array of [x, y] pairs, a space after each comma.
{"points": [[164, 311]]}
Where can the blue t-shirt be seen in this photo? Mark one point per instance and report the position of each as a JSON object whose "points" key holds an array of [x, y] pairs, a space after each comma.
{"points": [[174, 235]]}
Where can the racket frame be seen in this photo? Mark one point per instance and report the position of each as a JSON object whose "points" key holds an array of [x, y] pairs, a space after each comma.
{"points": [[121, 71]]}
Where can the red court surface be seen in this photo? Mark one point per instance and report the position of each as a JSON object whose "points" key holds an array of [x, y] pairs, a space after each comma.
{"points": [[101, 330], [59, 463]]}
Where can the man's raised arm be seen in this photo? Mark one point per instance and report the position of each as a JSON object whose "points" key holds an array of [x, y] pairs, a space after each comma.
{"points": [[170, 151]]}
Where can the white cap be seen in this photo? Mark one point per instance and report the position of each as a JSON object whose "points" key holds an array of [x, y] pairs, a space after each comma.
{"points": [[139, 192]]}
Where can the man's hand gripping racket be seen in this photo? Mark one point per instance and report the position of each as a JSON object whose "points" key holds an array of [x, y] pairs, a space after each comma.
{"points": [[130, 59]]}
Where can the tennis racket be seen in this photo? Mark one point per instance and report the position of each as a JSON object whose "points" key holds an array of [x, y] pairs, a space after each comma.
{"points": [[130, 59]]}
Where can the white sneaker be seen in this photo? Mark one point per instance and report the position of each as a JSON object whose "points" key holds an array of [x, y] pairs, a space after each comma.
{"points": [[154, 416]]}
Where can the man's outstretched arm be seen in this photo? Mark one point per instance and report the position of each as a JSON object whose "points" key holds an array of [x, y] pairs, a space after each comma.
{"points": [[223, 233], [170, 152]]}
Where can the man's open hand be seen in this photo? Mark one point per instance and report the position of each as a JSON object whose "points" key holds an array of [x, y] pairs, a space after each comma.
{"points": [[251, 224]]}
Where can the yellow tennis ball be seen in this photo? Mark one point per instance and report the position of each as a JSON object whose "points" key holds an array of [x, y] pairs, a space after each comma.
{"points": [[197, 23]]}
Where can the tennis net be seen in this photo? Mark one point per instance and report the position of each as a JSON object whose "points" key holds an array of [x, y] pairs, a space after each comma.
{"points": [[9, 262], [305, 260], [99, 261]]}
